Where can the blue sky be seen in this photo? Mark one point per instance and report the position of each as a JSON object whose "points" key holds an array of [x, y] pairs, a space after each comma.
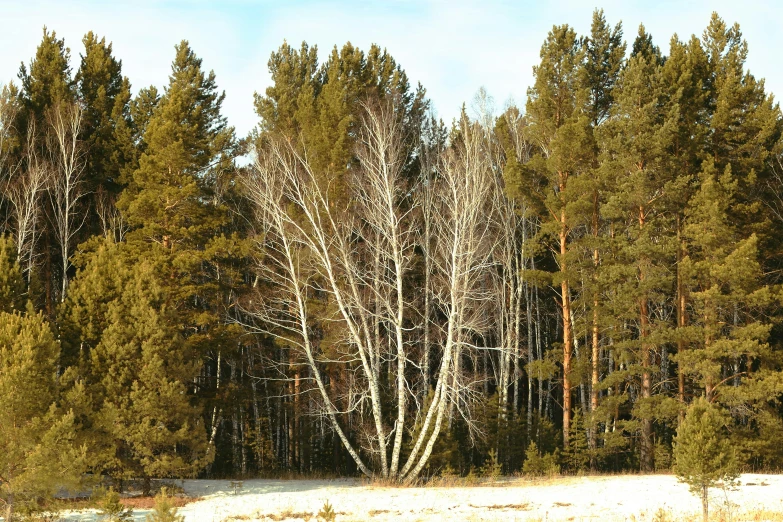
{"points": [[453, 47]]}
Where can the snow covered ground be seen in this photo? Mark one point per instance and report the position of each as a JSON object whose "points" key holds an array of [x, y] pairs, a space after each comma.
{"points": [[604, 498]]}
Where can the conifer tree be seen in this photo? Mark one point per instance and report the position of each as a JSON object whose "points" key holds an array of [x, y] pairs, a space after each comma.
{"points": [[559, 124], [684, 77], [187, 143], [140, 415], [605, 56], [37, 451], [164, 509], [702, 451], [175, 205], [743, 126], [635, 145], [729, 331], [12, 285], [111, 509], [48, 80], [575, 455], [141, 108], [174, 198], [105, 94]]}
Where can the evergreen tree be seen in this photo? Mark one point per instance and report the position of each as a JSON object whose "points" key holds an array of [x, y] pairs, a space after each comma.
{"points": [[684, 77], [702, 451], [187, 145], [105, 94], [48, 80], [575, 455], [111, 509], [12, 286], [728, 332], [174, 200], [141, 109], [289, 102], [635, 144], [744, 123], [37, 451], [164, 509], [643, 46], [604, 58], [559, 124], [140, 415]]}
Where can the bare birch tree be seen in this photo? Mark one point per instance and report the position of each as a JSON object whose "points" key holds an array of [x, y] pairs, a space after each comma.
{"points": [[359, 259], [66, 184], [23, 194]]}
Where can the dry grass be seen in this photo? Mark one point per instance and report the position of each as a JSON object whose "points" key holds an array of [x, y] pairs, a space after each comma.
{"points": [[517, 507], [473, 481], [149, 502]]}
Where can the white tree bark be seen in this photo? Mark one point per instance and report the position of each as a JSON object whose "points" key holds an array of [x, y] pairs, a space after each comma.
{"points": [[356, 263], [24, 193], [66, 155]]}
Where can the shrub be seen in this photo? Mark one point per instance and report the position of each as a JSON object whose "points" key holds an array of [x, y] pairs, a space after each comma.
{"points": [[164, 510], [538, 465], [111, 509], [327, 513]]}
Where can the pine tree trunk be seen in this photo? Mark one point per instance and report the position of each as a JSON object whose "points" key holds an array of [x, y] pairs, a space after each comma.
{"points": [[9, 508], [681, 321], [705, 506], [646, 388], [567, 333]]}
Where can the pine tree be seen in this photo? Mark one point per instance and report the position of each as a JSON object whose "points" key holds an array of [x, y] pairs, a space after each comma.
{"points": [[175, 205], [539, 465], [575, 455], [141, 109], [164, 509], [48, 80], [744, 123], [187, 144], [140, 414], [106, 96], [729, 332], [559, 124], [47, 86], [37, 437], [702, 451], [605, 57], [635, 144], [684, 76], [111, 509], [12, 285]]}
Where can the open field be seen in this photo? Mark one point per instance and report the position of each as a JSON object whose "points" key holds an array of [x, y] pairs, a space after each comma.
{"points": [[604, 498]]}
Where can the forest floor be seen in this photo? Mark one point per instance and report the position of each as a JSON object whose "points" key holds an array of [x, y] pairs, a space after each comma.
{"points": [[659, 498]]}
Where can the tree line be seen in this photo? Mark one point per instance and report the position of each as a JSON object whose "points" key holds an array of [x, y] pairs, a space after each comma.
{"points": [[376, 291]]}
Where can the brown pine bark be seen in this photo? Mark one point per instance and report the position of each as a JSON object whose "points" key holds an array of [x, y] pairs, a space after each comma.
{"points": [[568, 339], [682, 320], [646, 388]]}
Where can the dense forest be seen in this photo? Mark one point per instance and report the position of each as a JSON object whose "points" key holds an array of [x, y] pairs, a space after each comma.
{"points": [[358, 288]]}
